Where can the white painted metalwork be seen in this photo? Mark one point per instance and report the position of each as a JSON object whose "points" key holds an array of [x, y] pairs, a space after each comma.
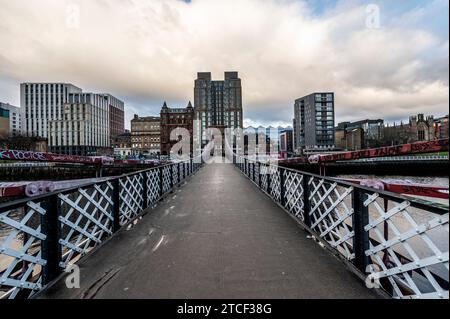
{"points": [[85, 217], [131, 197], [405, 247], [153, 185], [275, 186], [20, 253], [166, 179], [330, 215], [86, 220], [175, 174], [293, 185], [408, 242]]}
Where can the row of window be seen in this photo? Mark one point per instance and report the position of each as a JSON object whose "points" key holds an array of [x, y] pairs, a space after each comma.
{"points": [[146, 145]]}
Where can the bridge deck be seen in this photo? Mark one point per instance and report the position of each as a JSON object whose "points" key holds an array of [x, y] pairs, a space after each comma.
{"points": [[216, 237]]}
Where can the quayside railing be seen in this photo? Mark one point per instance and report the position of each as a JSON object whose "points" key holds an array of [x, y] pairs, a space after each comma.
{"points": [[398, 243], [40, 237]]}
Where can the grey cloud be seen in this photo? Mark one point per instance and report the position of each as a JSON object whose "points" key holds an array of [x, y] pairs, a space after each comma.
{"points": [[148, 51]]}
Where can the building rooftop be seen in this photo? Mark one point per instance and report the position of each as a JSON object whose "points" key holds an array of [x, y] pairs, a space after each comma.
{"points": [[137, 118]]}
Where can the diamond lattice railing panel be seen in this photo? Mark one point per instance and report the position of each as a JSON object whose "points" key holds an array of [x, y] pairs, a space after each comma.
{"points": [[186, 170], [181, 170], [264, 177], [257, 176], [331, 214], [153, 185], [408, 248], [131, 197], [166, 179], [86, 220], [175, 174], [275, 184], [293, 186], [20, 250]]}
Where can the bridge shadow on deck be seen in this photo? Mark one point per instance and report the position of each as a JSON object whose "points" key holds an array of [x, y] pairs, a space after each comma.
{"points": [[218, 236]]}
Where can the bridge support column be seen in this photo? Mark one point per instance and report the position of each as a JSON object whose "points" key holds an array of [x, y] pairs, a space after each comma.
{"points": [[51, 249], [361, 238]]}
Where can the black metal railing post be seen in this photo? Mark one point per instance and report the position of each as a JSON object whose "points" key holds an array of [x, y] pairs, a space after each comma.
{"points": [[282, 187], [172, 182], [145, 190], [259, 173], [116, 205], [360, 220], [161, 181], [269, 179], [306, 201], [51, 249], [179, 173]]}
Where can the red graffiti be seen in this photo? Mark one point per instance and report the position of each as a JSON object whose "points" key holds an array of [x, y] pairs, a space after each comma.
{"points": [[16, 155], [406, 149]]}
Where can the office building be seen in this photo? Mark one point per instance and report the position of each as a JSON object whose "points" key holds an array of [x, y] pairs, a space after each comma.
{"points": [[314, 122], [15, 119], [42, 103], [217, 104], [73, 122], [286, 141], [146, 135], [171, 119], [83, 128], [116, 115], [4, 123], [441, 127]]}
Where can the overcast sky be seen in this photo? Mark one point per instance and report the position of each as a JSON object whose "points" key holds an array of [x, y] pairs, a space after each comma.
{"points": [[146, 52]]}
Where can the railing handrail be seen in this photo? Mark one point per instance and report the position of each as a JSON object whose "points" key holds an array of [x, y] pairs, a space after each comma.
{"points": [[19, 202], [436, 207], [92, 213], [379, 233]]}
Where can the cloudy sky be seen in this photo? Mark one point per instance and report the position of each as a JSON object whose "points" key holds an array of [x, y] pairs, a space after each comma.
{"points": [[384, 59]]}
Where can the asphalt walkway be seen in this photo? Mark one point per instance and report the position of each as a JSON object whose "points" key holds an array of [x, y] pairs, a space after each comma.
{"points": [[218, 236]]}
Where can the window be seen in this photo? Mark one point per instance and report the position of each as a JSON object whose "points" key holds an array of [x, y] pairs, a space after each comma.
{"points": [[421, 135]]}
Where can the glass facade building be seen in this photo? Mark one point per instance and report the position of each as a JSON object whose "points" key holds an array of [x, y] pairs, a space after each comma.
{"points": [[314, 122]]}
